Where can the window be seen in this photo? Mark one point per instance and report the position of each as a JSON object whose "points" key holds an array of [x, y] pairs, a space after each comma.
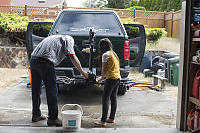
{"points": [[41, 1], [80, 23]]}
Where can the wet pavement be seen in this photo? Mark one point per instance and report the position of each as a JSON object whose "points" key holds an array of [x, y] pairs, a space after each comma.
{"points": [[138, 108], [6, 129]]}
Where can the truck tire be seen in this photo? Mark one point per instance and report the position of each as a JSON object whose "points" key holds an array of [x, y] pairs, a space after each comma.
{"points": [[122, 89]]}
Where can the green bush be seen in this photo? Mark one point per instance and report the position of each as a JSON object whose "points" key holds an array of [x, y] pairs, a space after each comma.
{"points": [[42, 30], [129, 21], [132, 31], [13, 22], [14, 27], [137, 8], [154, 34]]}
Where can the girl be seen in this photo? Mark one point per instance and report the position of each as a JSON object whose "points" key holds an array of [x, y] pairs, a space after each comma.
{"points": [[110, 70]]}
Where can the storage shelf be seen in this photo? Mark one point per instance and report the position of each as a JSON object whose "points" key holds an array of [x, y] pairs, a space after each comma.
{"points": [[195, 101], [196, 39], [196, 63]]}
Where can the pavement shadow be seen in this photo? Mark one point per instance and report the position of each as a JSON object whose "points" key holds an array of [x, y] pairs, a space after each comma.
{"points": [[79, 94]]}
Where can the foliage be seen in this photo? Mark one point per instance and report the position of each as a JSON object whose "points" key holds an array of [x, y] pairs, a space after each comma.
{"points": [[42, 30], [128, 21], [137, 8], [95, 3], [157, 5], [132, 31], [13, 22], [14, 27], [132, 3], [154, 34], [120, 4]]}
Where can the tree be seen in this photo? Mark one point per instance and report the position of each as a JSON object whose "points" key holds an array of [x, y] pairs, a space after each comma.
{"points": [[141, 3], [102, 3], [134, 3], [153, 5], [157, 5], [94, 3], [163, 6], [120, 4], [169, 6], [147, 5], [177, 5]]}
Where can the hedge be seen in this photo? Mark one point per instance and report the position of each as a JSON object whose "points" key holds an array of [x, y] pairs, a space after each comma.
{"points": [[154, 34], [14, 27]]}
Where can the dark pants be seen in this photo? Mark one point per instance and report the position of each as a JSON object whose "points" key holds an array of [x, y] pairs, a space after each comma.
{"points": [[110, 92], [44, 70]]}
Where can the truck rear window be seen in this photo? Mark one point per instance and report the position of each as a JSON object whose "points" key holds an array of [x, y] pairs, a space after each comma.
{"points": [[81, 23]]}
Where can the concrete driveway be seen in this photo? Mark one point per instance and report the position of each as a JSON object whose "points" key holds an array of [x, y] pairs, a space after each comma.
{"points": [[138, 108]]}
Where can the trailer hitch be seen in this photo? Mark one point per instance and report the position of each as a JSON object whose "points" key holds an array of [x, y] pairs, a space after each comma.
{"points": [[125, 84]]}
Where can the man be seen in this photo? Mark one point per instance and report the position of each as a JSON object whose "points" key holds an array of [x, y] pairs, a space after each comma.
{"points": [[49, 53]]}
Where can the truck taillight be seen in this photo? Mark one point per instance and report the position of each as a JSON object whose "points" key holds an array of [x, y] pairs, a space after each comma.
{"points": [[126, 50]]}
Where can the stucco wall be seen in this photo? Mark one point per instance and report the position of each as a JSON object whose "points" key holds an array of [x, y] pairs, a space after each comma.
{"points": [[13, 57]]}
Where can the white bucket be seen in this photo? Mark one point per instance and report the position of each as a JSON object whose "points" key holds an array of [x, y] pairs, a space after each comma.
{"points": [[71, 117], [161, 73]]}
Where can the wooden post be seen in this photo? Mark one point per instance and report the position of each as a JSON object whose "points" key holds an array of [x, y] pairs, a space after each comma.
{"points": [[25, 10], [133, 14], [164, 24], [172, 23]]}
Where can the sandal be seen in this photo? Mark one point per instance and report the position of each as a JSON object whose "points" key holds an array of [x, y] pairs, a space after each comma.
{"points": [[100, 123], [110, 121]]}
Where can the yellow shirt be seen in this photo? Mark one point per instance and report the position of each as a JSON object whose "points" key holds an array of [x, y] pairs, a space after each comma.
{"points": [[112, 67]]}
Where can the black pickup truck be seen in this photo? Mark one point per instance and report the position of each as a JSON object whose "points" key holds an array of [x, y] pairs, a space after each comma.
{"points": [[77, 23]]}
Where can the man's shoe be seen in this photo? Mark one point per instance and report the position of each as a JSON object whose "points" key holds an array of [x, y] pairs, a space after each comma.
{"points": [[110, 120], [57, 123], [100, 124], [36, 118]]}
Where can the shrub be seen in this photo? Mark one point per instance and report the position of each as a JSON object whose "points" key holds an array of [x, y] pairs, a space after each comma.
{"points": [[42, 30], [129, 21], [13, 22], [132, 31], [154, 34], [14, 27], [137, 8]]}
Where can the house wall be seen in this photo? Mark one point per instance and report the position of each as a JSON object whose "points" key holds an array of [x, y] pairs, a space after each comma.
{"points": [[45, 3], [5, 2]]}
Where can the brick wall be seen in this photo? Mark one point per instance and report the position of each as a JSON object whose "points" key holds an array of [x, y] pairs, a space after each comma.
{"points": [[13, 57], [5, 2]]}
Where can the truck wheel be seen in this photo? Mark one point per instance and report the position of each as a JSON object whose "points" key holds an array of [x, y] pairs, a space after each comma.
{"points": [[122, 89]]}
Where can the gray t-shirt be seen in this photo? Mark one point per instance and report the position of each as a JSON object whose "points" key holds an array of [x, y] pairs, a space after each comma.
{"points": [[53, 50]]}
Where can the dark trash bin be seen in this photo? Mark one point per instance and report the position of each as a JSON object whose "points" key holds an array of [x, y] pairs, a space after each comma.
{"points": [[169, 55], [146, 63]]}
